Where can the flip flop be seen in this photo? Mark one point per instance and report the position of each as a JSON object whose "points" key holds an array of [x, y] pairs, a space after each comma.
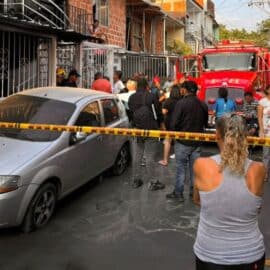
{"points": [[163, 163], [137, 183], [155, 185]]}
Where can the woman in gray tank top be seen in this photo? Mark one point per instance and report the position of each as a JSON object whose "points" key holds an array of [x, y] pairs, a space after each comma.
{"points": [[229, 189]]}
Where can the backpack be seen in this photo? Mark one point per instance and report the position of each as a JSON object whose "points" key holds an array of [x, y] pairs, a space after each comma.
{"points": [[143, 118]]}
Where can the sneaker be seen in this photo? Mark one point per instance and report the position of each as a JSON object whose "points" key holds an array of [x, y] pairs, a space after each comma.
{"points": [[172, 156], [175, 196], [155, 185], [137, 183]]}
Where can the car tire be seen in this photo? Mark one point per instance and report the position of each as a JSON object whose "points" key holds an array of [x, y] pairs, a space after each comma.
{"points": [[41, 208], [122, 160]]}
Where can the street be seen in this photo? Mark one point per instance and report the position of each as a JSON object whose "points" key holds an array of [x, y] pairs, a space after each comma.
{"points": [[108, 225]]}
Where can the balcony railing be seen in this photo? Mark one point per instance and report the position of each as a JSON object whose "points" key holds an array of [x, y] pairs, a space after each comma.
{"points": [[47, 13], [79, 20]]}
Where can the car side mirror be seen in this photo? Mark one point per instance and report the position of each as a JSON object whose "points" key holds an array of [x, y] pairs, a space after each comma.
{"points": [[78, 137]]}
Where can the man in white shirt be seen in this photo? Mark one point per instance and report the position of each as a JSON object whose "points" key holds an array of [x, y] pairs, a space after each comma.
{"points": [[117, 83]]}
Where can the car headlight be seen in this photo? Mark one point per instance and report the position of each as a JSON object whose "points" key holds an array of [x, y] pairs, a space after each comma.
{"points": [[9, 183]]}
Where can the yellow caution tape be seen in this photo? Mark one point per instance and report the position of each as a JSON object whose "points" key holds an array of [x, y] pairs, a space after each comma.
{"points": [[187, 136]]}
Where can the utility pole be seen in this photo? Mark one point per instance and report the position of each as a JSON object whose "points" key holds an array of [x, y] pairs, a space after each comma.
{"points": [[264, 5]]}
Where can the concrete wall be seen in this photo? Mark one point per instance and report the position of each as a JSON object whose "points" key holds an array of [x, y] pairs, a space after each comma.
{"points": [[176, 34]]}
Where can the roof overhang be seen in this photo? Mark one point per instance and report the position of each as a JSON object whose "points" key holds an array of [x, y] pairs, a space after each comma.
{"points": [[174, 22], [154, 9], [61, 34], [192, 6], [146, 6]]}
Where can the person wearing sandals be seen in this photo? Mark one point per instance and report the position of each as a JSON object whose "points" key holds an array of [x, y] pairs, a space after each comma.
{"points": [[264, 127], [168, 108], [229, 189]]}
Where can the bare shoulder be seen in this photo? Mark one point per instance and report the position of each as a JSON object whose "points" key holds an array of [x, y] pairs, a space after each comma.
{"points": [[257, 169], [207, 174], [255, 177], [202, 166], [202, 162]]}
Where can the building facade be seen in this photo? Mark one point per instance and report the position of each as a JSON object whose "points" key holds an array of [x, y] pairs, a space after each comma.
{"points": [[30, 33], [133, 35], [201, 28]]}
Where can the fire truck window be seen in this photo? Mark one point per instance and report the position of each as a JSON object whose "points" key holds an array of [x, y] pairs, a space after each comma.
{"points": [[205, 64], [253, 62], [191, 67], [229, 61]]}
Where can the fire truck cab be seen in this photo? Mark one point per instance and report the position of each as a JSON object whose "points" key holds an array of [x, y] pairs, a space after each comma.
{"points": [[239, 66]]}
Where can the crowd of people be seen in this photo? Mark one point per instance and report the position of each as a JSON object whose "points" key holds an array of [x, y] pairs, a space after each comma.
{"points": [[167, 95], [227, 186]]}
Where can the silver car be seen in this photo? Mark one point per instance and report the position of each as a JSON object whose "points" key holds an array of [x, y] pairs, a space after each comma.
{"points": [[37, 168]]}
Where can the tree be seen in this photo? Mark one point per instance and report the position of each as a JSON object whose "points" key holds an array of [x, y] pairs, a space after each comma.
{"points": [[179, 47], [261, 37], [264, 30]]}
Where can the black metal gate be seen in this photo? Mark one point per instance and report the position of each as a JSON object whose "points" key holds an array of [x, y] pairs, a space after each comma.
{"points": [[24, 62]]}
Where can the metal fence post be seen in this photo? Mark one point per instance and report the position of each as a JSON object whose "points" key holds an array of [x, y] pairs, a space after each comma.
{"points": [[167, 66], [52, 65], [110, 64], [80, 50]]}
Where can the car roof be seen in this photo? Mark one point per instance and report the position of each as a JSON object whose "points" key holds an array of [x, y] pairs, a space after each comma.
{"points": [[66, 94]]}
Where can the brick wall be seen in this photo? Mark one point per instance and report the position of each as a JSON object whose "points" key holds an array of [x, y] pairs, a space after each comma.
{"points": [[84, 4], [116, 31]]}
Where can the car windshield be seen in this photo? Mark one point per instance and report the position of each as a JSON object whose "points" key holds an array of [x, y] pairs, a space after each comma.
{"points": [[229, 61], [31, 109]]}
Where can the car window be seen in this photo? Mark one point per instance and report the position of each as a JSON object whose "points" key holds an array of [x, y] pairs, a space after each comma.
{"points": [[110, 109], [34, 110], [121, 107], [90, 116]]}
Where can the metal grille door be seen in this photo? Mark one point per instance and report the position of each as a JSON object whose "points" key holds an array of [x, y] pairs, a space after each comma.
{"points": [[24, 62], [66, 55], [149, 65], [94, 60]]}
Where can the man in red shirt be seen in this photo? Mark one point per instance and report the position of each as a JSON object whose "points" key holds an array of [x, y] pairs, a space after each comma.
{"points": [[101, 84]]}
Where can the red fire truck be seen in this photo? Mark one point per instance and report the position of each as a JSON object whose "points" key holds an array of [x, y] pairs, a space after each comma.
{"points": [[239, 66]]}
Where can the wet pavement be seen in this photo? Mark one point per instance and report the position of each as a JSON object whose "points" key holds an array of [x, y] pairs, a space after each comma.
{"points": [[109, 225]]}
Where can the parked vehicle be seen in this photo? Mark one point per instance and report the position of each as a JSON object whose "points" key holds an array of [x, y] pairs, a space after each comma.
{"points": [[37, 167], [239, 66]]}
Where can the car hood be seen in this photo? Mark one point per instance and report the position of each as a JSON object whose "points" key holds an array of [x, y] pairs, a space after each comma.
{"points": [[15, 153]]}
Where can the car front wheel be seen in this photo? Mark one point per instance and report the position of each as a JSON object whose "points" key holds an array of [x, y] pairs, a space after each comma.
{"points": [[41, 208], [122, 160]]}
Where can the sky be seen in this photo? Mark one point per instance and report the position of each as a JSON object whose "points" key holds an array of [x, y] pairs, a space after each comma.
{"points": [[237, 14]]}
